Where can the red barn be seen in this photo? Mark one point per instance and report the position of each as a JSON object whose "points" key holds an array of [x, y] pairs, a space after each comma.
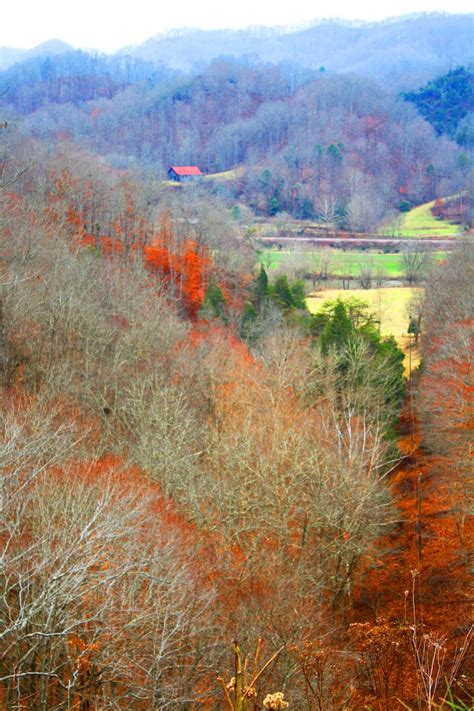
{"points": [[184, 172]]}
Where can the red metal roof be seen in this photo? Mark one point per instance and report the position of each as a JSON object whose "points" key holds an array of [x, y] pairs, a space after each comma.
{"points": [[186, 170]]}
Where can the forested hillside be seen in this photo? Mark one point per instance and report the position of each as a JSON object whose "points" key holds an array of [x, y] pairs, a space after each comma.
{"points": [[72, 78], [190, 457], [404, 50], [448, 104], [319, 140], [226, 481], [11, 55], [334, 147]]}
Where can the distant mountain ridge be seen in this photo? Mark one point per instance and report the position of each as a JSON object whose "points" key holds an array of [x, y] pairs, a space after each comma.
{"points": [[334, 140], [13, 55], [406, 50]]}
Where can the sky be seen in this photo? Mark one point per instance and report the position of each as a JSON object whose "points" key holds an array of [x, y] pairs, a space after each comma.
{"points": [[108, 25]]}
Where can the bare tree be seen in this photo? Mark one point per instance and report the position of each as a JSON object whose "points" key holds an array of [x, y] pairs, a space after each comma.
{"points": [[366, 273], [415, 264], [445, 389], [97, 600]]}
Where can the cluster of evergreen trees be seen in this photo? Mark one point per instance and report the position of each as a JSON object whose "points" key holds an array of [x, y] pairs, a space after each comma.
{"points": [[349, 334], [447, 103], [285, 299], [346, 336]]}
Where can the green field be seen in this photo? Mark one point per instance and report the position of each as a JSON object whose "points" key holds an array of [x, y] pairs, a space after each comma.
{"points": [[420, 222], [338, 262]]}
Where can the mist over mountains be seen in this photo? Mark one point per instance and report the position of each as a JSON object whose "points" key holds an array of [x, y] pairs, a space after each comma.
{"points": [[12, 55], [406, 50]]}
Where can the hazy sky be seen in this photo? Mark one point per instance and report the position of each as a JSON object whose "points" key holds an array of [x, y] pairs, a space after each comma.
{"points": [[109, 25]]}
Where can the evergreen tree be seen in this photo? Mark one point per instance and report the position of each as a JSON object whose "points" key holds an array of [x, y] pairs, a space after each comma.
{"points": [[306, 211], [214, 303], [274, 204], [249, 329], [298, 293], [261, 290], [281, 292], [369, 368], [337, 330]]}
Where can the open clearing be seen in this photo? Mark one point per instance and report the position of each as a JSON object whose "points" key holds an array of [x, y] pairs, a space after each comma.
{"points": [[338, 262], [232, 174], [420, 222], [390, 306], [226, 175]]}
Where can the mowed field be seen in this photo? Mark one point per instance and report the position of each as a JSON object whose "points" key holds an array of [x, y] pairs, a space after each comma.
{"points": [[390, 306], [420, 222], [339, 262]]}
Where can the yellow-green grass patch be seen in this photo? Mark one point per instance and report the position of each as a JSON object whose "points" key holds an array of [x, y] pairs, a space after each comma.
{"points": [[420, 222], [170, 184], [232, 174]]}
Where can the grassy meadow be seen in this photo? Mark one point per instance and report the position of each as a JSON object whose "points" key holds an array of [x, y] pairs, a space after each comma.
{"points": [[420, 222], [339, 262]]}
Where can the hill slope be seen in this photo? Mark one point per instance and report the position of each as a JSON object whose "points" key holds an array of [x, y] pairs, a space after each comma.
{"points": [[12, 55], [404, 50]]}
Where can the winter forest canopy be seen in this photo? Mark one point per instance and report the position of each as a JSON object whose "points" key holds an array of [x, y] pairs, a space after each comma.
{"points": [[236, 461], [312, 142]]}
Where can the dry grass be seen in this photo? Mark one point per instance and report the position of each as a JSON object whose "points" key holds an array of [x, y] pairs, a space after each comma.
{"points": [[232, 174]]}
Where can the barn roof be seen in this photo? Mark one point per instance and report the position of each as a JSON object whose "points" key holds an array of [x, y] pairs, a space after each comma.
{"points": [[186, 170]]}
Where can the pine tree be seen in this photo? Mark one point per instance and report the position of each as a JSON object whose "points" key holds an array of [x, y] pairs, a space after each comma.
{"points": [[281, 292], [214, 303], [338, 329], [261, 290], [298, 293], [249, 326]]}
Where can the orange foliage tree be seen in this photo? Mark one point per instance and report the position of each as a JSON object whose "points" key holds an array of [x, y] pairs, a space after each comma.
{"points": [[183, 264]]}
